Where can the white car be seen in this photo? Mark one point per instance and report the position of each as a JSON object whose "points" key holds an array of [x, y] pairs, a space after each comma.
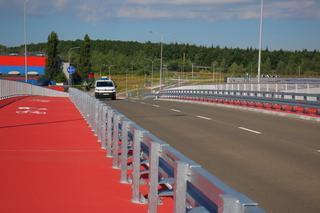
{"points": [[105, 88]]}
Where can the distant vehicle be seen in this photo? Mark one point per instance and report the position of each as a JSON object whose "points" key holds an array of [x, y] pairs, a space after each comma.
{"points": [[105, 88]]}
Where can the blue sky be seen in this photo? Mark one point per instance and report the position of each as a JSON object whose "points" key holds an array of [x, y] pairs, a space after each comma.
{"points": [[289, 24]]}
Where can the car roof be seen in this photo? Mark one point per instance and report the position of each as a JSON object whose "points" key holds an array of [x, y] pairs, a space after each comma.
{"points": [[104, 80]]}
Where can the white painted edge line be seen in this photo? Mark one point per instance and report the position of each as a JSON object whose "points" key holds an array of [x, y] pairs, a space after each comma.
{"points": [[250, 130], [202, 117], [156, 105], [175, 110], [142, 102]]}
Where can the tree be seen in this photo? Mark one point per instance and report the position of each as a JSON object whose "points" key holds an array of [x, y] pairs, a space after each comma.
{"points": [[53, 65], [85, 57]]}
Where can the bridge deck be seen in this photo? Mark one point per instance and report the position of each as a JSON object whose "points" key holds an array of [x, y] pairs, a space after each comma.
{"points": [[51, 162]]}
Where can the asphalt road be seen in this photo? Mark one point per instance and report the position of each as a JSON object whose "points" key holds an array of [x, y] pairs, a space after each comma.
{"points": [[273, 160]]}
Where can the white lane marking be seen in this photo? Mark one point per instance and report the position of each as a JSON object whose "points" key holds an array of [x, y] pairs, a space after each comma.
{"points": [[202, 117], [318, 150], [142, 102], [249, 130], [175, 110], [156, 105]]}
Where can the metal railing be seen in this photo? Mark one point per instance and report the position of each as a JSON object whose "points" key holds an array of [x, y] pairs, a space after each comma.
{"points": [[293, 88], [10, 89], [155, 162], [295, 99]]}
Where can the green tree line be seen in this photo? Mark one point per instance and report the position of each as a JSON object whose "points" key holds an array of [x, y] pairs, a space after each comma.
{"points": [[130, 55]]}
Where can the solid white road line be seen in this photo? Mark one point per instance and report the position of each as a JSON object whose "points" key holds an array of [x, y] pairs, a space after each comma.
{"points": [[175, 110], [156, 106], [249, 130], [202, 117]]}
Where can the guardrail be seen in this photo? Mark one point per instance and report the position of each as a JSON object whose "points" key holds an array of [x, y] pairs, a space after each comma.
{"points": [[295, 99], [293, 88], [10, 89], [152, 160]]}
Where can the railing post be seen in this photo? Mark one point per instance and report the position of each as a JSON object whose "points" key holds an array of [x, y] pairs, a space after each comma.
{"points": [[104, 127], [124, 152], [136, 166], [231, 204], [154, 153], [180, 186], [109, 132], [115, 145]]}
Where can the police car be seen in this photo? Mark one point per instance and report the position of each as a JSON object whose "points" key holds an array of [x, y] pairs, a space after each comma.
{"points": [[105, 88]]}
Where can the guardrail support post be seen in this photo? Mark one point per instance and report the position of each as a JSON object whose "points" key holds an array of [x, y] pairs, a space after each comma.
{"points": [[109, 132], [231, 204], [104, 127], [124, 152], [136, 166], [115, 144], [180, 186], [154, 153]]}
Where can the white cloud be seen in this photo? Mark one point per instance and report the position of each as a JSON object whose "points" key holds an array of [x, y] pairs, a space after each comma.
{"points": [[99, 10]]}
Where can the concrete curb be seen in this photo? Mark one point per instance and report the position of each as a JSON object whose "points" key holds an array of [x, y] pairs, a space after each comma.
{"points": [[275, 113]]}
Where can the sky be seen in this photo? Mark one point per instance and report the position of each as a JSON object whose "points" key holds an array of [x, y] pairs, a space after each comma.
{"points": [[288, 24]]}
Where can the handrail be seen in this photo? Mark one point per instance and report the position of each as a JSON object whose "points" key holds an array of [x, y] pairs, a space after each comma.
{"points": [[10, 89], [131, 148]]}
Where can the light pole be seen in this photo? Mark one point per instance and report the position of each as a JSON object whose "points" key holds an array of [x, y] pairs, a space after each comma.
{"points": [[25, 42], [152, 62], [260, 42], [69, 61], [161, 57]]}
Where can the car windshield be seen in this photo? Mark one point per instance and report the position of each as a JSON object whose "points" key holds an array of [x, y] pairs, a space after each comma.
{"points": [[104, 84]]}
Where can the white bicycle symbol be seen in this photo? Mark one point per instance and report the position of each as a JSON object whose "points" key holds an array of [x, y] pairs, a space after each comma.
{"points": [[31, 110]]}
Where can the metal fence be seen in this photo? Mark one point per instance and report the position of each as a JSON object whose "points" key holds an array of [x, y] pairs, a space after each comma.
{"points": [[153, 161], [295, 99], [13, 88], [293, 88]]}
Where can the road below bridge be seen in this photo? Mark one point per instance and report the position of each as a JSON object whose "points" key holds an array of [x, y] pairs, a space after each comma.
{"points": [[273, 160]]}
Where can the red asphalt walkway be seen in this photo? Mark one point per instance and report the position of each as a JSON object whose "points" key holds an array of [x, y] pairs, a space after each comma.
{"points": [[50, 161]]}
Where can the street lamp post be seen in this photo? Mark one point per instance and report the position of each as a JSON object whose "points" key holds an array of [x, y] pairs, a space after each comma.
{"points": [[152, 61], [161, 62], [69, 61], [161, 57], [260, 43], [25, 42]]}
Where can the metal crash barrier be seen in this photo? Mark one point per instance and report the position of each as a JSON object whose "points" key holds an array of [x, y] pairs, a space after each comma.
{"points": [[10, 89], [294, 99], [147, 161]]}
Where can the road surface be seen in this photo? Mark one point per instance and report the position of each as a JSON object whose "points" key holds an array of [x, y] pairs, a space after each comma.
{"points": [[273, 160]]}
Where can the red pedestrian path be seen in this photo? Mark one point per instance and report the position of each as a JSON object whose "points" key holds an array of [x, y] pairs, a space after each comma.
{"points": [[51, 162]]}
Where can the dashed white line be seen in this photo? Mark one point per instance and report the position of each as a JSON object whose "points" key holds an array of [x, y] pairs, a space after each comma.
{"points": [[156, 105], [318, 150], [202, 117], [142, 102], [250, 130], [175, 110]]}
